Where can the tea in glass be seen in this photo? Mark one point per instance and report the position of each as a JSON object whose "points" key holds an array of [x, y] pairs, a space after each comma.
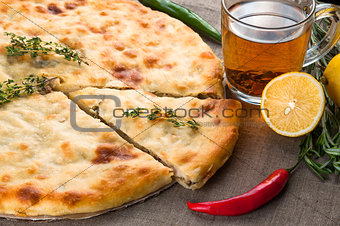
{"points": [[252, 61], [263, 39]]}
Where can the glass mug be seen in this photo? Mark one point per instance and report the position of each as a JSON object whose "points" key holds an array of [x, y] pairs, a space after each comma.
{"points": [[263, 39]]}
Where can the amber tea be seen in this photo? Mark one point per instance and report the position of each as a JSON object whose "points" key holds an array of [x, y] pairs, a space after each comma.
{"points": [[253, 57]]}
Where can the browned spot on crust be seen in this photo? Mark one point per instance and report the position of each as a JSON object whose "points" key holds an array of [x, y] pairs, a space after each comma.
{"points": [[209, 106], [65, 14], [53, 8], [143, 171], [92, 79], [3, 9], [131, 76], [97, 30], [216, 121], [103, 14], [70, 6], [40, 9], [161, 24], [6, 26], [121, 168], [81, 2], [193, 104], [139, 7], [108, 152], [120, 182], [41, 177], [76, 72], [150, 61], [71, 198], [143, 23], [25, 8], [234, 130], [6, 178], [188, 157], [152, 43], [49, 117], [82, 30], [119, 46], [74, 44], [103, 184], [108, 37], [34, 31], [29, 194], [3, 48], [207, 55], [130, 53], [134, 37], [67, 150], [23, 146], [32, 170], [106, 136]]}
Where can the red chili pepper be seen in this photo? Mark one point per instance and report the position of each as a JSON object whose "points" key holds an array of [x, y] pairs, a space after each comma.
{"points": [[248, 201]]}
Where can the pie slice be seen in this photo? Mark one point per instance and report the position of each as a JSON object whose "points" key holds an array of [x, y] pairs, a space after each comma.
{"points": [[49, 168], [195, 155], [126, 44]]}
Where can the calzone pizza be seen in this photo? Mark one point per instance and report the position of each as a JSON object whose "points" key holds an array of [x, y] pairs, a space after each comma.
{"points": [[143, 58]]}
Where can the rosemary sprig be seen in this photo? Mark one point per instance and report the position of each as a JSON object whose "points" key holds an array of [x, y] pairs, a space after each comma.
{"points": [[323, 144], [157, 113], [11, 89], [21, 45]]}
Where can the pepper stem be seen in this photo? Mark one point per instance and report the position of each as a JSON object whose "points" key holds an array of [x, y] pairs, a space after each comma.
{"points": [[297, 163]]}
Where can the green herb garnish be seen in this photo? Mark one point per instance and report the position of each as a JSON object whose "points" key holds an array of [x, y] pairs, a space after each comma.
{"points": [[323, 144], [157, 113], [11, 89], [21, 45]]}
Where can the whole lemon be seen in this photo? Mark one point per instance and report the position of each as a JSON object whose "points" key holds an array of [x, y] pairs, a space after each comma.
{"points": [[332, 74]]}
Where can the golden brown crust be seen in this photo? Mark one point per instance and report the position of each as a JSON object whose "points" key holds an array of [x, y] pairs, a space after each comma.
{"points": [[48, 168], [149, 50], [194, 155]]}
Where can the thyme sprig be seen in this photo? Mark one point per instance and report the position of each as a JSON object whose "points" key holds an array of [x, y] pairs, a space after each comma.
{"points": [[21, 45], [157, 113], [323, 144], [11, 89]]}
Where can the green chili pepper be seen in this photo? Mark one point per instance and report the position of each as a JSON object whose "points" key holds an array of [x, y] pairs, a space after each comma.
{"points": [[188, 17]]}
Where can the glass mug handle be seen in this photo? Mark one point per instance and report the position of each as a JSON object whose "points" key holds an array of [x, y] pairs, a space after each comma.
{"points": [[332, 36]]}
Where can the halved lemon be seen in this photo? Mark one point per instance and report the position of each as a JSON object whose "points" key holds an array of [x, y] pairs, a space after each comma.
{"points": [[332, 74], [292, 104]]}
